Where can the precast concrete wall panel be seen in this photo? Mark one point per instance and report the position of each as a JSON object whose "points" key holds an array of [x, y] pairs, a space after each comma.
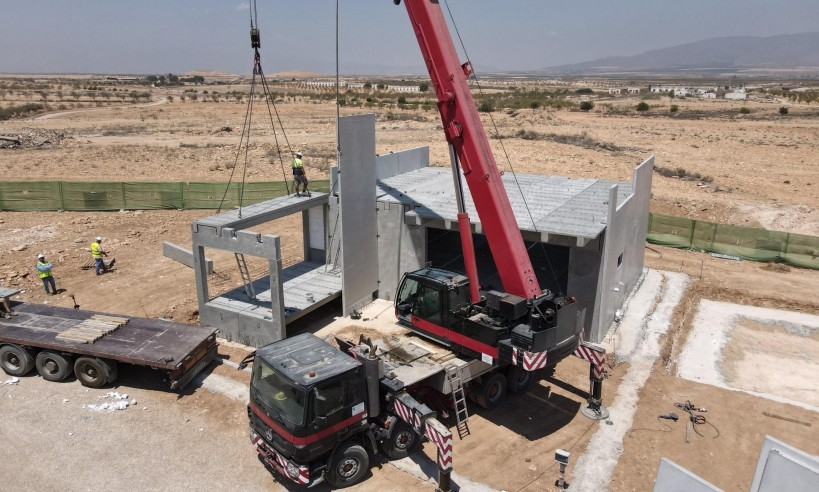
{"points": [[357, 197], [401, 248], [395, 163], [671, 477], [784, 467]]}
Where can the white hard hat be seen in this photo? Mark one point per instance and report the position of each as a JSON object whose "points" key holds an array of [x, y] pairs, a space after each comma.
{"points": [[99, 238], [298, 154], [41, 255]]}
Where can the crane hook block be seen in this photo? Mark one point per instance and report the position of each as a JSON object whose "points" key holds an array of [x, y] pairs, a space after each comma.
{"points": [[255, 38]]}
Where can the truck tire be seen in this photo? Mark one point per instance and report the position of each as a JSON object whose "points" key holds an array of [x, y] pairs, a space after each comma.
{"points": [[491, 392], [348, 465], [53, 366], [518, 380], [93, 372], [401, 442], [16, 360]]}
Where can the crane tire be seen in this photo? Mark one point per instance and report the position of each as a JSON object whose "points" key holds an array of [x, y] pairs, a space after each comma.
{"points": [[348, 465]]}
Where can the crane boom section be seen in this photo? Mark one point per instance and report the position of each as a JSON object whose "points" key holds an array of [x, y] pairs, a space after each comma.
{"points": [[465, 132]]}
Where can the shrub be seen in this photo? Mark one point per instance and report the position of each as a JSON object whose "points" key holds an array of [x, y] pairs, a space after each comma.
{"points": [[486, 107], [402, 100], [584, 90], [643, 106], [423, 87], [534, 104], [783, 110], [586, 106], [674, 108], [744, 110]]}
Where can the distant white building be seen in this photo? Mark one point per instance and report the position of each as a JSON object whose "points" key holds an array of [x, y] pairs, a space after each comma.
{"points": [[708, 95], [355, 85], [635, 90], [404, 88], [737, 95], [615, 91]]}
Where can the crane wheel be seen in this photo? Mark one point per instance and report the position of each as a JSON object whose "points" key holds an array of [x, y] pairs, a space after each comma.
{"points": [[53, 366], [519, 380], [491, 392], [348, 466], [15, 360], [401, 442]]}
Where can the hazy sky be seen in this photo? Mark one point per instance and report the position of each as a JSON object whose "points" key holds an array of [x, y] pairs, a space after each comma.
{"points": [[160, 36]]}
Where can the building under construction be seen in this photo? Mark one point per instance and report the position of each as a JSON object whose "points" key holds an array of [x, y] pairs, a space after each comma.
{"points": [[393, 213]]}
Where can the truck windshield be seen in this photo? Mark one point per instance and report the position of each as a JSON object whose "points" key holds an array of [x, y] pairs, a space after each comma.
{"points": [[285, 398]]}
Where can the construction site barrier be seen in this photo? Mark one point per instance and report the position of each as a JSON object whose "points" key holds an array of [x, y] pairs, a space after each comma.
{"points": [[677, 232], [741, 242], [41, 196]]}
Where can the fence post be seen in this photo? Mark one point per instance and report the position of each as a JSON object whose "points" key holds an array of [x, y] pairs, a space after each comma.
{"points": [[62, 197], [182, 195], [124, 200], [691, 237], [787, 248]]}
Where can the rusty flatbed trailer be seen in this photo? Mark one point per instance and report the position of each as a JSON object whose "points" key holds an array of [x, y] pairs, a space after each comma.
{"points": [[50, 339]]}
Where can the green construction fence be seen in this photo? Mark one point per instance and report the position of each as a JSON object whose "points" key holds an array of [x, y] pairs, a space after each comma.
{"points": [[33, 196], [743, 242], [677, 232]]}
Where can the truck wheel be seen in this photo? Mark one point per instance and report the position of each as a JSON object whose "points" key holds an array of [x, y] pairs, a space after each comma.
{"points": [[519, 380], [490, 393], [348, 466], [92, 372], [16, 360], [53, 366], [401, 442]]}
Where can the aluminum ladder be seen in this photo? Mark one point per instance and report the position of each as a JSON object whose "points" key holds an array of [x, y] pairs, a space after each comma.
{"points": [[453, 375], [245, 273]]}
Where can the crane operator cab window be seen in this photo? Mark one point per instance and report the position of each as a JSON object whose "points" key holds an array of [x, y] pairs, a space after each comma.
{"points": [[422, 301]]}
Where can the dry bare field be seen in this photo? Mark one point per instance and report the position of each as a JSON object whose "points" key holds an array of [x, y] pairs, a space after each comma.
{"points": [[758, 169]]}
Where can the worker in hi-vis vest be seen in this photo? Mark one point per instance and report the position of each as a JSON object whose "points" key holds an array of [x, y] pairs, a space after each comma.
{"points": [[98, 253], [44, 271], [298, 175]]}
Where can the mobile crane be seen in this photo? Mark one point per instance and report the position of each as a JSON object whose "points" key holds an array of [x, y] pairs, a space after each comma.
{"points": [[317, 412]]}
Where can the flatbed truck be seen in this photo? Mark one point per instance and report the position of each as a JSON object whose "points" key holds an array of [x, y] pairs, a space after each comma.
{"points": [[60, 341]]}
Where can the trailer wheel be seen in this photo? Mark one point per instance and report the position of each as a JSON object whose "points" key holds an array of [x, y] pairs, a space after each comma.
{"points": [[53, 366], [518, 380], [16, 360], [92, 372], [491, 392], [348, 466], [401, 442]]}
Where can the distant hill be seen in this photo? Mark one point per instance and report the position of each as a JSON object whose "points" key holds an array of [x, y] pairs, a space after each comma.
{"points": [[787, 51]]}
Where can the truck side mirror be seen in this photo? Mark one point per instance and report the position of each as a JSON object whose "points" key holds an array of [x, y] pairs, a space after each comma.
{"points": [[404, 309]]}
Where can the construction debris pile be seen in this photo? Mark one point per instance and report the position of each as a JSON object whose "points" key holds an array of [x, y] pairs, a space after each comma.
{"points": [[31, 138]]}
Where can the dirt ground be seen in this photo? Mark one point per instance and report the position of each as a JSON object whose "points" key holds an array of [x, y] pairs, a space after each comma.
{"points": [[764, 170]]}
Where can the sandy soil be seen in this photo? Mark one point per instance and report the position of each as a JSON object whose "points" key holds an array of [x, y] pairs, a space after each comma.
{"points": [[764, 172]]}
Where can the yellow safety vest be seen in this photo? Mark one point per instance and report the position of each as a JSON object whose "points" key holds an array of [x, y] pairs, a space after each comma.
{"points": [[46, 273], [297, 163], [95, 250]]}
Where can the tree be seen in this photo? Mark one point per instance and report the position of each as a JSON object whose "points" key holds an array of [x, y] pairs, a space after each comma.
{"points": [[402, 100], [744, 110], [534, 105], [584, 90], [423, 87], [382, 86], [783, 110], [368, 85], [643, 106], [586, 106], [674, 108]]}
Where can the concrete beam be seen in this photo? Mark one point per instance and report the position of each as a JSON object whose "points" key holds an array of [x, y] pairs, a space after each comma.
{"points": [[182, 255], [261, 212]]}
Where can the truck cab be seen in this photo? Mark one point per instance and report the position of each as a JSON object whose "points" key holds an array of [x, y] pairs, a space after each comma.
{"points": [[306, 397]]}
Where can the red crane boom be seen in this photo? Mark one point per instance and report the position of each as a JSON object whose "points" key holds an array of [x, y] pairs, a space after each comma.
{"points": [[465, 133]]}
